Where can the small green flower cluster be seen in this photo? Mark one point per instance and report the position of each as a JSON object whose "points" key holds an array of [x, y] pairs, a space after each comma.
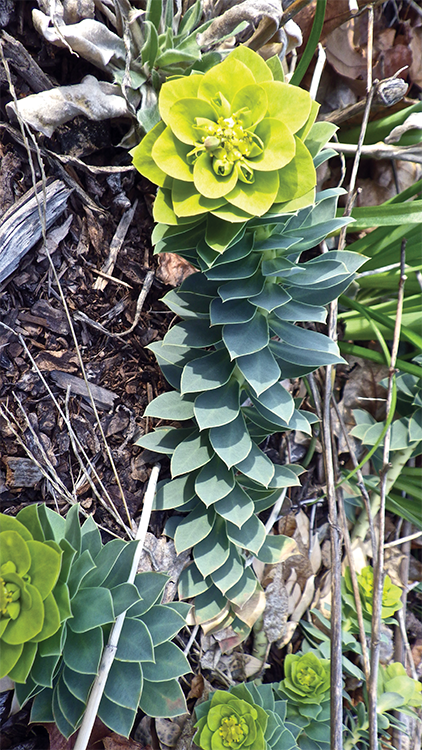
{"points": [[391, 598], [230, 144]]}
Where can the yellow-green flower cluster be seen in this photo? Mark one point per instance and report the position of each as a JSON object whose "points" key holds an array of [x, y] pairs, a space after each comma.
{"points": [[29, 614], [307, 678], [230, 143]]}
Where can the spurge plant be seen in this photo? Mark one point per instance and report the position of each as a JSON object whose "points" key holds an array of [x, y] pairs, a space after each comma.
{"points": [[61, 590]]}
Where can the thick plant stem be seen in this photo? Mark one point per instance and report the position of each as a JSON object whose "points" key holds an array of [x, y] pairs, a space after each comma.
{"points": [[379, 563], [111, 648]]}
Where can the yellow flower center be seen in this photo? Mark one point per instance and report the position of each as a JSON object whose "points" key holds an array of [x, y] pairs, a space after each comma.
{"points": [[307, 677], [231, 732], [227, 142]]}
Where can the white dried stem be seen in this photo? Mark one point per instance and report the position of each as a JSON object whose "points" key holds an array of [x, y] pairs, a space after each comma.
{"points": [[111, 648]]}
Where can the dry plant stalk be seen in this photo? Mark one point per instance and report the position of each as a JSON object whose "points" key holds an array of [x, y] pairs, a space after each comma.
{"points": [[111, 648], [41, 211], [379, 562], [326, 438]]}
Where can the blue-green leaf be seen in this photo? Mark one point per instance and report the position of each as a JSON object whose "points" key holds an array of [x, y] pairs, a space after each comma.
{"points": [[260, 370], [135, 642], [233, 311], [163, 623], [213, 550], [214, 481], [207, 373], [219, 406], [162, 699], [191, 583], [91, 607], [257, 466], [236, 507], [231, 442], [170, 662], [175, 493], [246, 338], [250, 536], [170, 405], [195, 527], [242, 591], [191, 454], [164, 440], [82, 651], [230, 572]]}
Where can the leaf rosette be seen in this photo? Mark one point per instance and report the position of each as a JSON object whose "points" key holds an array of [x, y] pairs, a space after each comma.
{"points": [[307, 678], [391, 594], [29, 614], [61, 591], [246, 716], [231, 722], [230, 144]]}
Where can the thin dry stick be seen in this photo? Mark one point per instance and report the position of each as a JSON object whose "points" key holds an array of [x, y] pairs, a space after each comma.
{"points": [[76, 444], [111, 648], [379, 563], [403, 539], [399, 641], [41, 210], [361, 482], [336, 713], [358, 603]]}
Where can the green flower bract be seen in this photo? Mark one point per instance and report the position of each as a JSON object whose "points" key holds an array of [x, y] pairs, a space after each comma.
{"points": [[29, 614], [391, 594], [230, 143], [394, 679], [307, 678], [231, 723]]}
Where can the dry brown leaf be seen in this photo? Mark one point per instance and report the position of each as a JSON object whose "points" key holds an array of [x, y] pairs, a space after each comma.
{"points": [[253, 608], [220, 621], [196, 687], [160, 556], [173, 269], [117, 742], [415, 70], [362, 390], [346, 49], [305, 601], [169, 730]]}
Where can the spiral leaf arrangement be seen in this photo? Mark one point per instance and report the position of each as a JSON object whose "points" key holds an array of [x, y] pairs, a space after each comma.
{"points": [[236, 131]]}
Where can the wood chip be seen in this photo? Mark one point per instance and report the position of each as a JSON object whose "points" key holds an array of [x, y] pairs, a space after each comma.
{"points": [[21, 472], [104, 399], [21, 226]]}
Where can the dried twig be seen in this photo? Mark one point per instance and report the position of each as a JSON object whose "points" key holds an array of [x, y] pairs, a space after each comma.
{"points": [[361, 482], [379, 562], [403, 153], [41, 210], [115, 245], [111, 648]]}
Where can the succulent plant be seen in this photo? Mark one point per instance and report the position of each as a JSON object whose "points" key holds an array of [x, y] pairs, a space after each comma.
{"points": [[225, 360], [29, 610], [69, 589], [391, 597], [245, 716], [394, 679], [230, 144], [306, 686], [307, 678]]}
